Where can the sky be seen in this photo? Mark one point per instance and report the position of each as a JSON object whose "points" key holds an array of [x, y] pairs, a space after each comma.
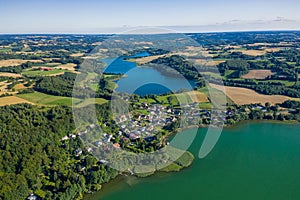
{"points": [[113, 16]]}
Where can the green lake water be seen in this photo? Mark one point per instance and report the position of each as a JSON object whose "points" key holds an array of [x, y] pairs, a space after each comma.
{"points": [[251, 161]]}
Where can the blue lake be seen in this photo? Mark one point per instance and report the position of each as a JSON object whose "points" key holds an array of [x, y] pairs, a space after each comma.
{"points": [[144, 80]]}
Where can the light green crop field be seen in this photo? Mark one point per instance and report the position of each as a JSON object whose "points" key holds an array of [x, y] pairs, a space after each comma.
{"points": [[205, 105], [90, 101], [182, 98], [3, 50], [218, 95], [287, 83], [46, 99], [34, 73], [51, 100]]}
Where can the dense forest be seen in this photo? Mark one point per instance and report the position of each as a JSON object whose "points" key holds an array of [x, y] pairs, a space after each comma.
{"points": [[240, 68], [57, 85], [34, 159], [175, 66], [63, 85]]}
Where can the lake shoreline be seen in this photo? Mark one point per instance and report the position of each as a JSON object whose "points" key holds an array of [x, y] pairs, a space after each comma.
{"points": [[121, 177]]}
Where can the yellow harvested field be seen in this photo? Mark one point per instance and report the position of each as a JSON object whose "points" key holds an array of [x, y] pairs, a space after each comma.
{"points": [[10, 75], [16, 62], [198, 97], [12, 100], [69, 66], [242, 96], [258, 74], [143, 43], [4, 90], [3, 87], [272, 49], [195, 48], [53, 64], [209, 63], [206, 54], [49, 59], [189, 54], [25, 53], [57, 74], [260, 44], [195, 51], [263, 51], [77, 54], [19, 86], [251, 52], [232, 46], [144, 60]]}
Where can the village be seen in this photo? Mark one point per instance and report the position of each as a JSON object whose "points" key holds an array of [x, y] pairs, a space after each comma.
{"points": [[155, 117]]}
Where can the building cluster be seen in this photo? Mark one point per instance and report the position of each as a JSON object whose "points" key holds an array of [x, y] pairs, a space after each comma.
{"points": [[148, 123]]}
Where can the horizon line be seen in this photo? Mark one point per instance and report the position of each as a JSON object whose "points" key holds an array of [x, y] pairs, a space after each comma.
{"points": [[183, 32]]}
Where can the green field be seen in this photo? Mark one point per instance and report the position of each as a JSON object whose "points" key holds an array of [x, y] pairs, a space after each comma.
{"points": [[212, 74], [113, 76], [3, 50], [87, 102], [182, 98], [218, 95], [176, 99], [34, 73], [46, 64], [287, 83], [51, 100], [94, 86], [46, 99], [207, 105], [148, 100], [111, 85]]}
